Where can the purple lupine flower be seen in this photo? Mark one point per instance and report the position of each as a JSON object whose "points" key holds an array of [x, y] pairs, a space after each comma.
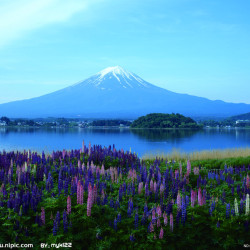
{"points": [[55, 228], [115, 224], [227, 210], [136, 220], [83, 146], [246, 225], [218, 224], [241, 206], [161, 233], [68, 205], [155, 186], [131, 237], [119, 218], [171, 222], [212, 208], [145, 208], [43, 215], [65, 221], [178, 216], [178, 201], [183, 211]]}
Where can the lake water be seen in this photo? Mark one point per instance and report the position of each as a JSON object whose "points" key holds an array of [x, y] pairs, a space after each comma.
{"points": [[140, 141]]}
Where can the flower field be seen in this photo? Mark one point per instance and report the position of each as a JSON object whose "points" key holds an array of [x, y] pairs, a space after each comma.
{"points": [[104, 198]]}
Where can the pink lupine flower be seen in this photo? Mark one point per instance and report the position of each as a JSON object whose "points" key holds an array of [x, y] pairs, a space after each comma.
{"points": [[81, 194], [200, 197], [90, 193], [102, 170], [165, 219], [89, 148], [180, 167], [171, 222], [43, 215], [248, 181], [68, 205], [63, 153], [161, 234], [151, 186], [196, 171], [158, 211], [158, 222], [193, 197], [176, 173], [19, 177], [140, 186], [89, 205], [151, 227], [161, 189], [178, 201], [153, 216], [188, 167]]}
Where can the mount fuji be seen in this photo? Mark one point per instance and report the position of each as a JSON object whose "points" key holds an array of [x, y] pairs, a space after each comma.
{"points": [[116, 93]]}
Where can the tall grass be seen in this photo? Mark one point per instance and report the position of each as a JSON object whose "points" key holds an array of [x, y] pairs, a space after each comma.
{"points": [[177, 155]]}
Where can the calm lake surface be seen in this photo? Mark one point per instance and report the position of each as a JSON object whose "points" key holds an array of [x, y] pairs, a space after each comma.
{"points": [[140, 141]]}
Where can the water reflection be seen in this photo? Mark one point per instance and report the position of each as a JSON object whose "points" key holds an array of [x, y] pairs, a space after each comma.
{"points": [[139, 140], [160, 135]]}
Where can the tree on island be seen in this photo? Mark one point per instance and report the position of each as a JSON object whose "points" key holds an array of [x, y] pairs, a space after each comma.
{"points": [[159, 120]]}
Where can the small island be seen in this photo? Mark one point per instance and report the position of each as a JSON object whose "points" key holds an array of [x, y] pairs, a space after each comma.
{"points": [[159, 120]]}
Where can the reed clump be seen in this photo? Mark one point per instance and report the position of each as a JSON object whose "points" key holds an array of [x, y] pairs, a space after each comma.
{"points": [[178, 155]]}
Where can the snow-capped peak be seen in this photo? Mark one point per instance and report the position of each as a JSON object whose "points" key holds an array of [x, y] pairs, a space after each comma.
{"points": [[116, 70], [124, 77]]}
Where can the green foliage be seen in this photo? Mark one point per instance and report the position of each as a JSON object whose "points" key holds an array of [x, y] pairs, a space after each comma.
{"points": [[102, 123], [158, 120]]}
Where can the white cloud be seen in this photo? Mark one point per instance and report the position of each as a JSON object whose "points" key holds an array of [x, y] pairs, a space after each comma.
{"points": [[18, 17]]}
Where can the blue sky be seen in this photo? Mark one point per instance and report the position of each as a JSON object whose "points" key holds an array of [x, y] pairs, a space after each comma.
{"points": [[186, 46]]}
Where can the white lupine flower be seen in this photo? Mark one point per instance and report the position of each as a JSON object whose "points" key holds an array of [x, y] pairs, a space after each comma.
{"points": [[247, 204], [236, 207], [25, 167]]}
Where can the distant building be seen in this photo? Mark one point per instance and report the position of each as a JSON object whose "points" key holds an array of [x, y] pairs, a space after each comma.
{"points": [[243, 122]]}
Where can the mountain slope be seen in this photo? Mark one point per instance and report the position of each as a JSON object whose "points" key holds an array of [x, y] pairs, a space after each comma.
{"points": [[241, 117], [117, 93]]}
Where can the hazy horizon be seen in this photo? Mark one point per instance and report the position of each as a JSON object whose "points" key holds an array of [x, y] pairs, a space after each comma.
{"points": [[185, 46]]}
